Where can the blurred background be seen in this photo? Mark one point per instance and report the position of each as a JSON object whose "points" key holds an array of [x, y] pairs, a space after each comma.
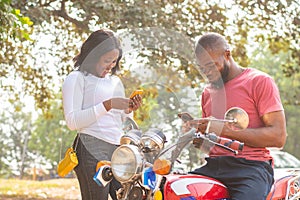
{"points": [[38, 40]]}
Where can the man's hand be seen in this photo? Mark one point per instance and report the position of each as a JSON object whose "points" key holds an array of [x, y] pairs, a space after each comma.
{"points": [[186, 126], [199, 124]]}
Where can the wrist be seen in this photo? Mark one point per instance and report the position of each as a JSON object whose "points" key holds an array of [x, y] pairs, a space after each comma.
{"points": [[107, 104], [127, 111]]}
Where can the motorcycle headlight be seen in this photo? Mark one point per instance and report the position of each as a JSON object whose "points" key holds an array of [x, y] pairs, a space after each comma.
{"points": [[153, 140], [132, 137], [126, 163]]}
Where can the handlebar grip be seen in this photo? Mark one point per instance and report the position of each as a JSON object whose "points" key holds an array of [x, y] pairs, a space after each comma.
{"points": [[233, 144]]}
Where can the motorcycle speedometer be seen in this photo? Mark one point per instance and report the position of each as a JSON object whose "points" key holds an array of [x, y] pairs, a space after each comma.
{"points": [[126, 163]]}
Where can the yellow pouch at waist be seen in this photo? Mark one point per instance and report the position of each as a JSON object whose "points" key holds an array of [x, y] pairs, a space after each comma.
{"points": [[68, 163]]}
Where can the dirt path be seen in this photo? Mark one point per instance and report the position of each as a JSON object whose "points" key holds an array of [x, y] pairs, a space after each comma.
{"points": [[54, 189]]}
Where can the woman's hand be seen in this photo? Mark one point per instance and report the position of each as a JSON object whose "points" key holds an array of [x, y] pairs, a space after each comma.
{"points": [[134, 103], [128, 105], [117, 103]]}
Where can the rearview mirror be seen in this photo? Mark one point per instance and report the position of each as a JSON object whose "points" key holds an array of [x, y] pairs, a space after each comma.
{"points": [[237, 118]]}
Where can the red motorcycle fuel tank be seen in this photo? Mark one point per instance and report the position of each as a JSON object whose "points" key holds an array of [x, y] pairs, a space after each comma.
{"points": [[193, 187]]}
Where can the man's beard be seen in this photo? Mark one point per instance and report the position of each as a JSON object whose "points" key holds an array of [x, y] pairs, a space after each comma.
{"points": [[223, 79]]}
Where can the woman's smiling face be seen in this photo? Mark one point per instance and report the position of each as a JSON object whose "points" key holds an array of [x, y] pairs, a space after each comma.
{"points": [[106, 62]]}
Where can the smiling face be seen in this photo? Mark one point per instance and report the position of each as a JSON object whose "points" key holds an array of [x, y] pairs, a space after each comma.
{"points": [[99, 54], [214, 66], [213, 58], [106, 62]]}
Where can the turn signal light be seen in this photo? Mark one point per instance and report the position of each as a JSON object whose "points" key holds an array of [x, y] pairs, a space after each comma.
{"points": [[157, 195], [102, 163], [162, 167]]}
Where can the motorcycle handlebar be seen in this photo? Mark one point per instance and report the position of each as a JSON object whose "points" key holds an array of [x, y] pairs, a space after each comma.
{"points": [[233, 144], [225, 143]]}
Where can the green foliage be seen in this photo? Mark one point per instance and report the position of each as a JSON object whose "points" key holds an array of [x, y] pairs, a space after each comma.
{"points": [[30, 144], [162, 33], [15, 43], [289, 89], [67, 22], [14, 130], [292, 144], [50, 137], [13, 23], [4, 166]]}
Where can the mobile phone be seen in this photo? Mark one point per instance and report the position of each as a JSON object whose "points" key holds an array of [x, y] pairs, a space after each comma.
{"points": [[185, 116], [136, 92]]}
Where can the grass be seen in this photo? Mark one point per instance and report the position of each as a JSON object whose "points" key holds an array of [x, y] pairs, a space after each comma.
{"points": [[54, 189]]}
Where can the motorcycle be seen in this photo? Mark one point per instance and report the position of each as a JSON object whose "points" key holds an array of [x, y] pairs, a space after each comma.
{"points": [[143, 165]]}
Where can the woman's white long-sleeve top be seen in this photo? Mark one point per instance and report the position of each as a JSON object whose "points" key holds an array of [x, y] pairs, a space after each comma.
{"points": [[83, 97]]}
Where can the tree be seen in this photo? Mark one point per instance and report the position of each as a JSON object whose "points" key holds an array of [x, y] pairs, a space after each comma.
{"points": [[162, 35], [4, 166], [15, 31], [288, 87], [13, 26], [50, 137], [242, 22], [14, 131]]}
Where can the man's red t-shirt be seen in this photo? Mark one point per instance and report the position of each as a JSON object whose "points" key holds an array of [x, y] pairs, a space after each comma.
{"points": [[253, 91]]}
